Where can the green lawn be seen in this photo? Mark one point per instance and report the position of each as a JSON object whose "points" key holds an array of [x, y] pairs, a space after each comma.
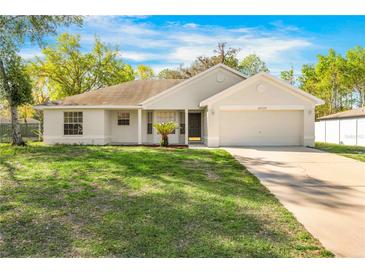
{"points": [[88, 201], [355, 152]]}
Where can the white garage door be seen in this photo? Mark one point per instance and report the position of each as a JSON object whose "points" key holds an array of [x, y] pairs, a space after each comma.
{"points": [[261, 128]]}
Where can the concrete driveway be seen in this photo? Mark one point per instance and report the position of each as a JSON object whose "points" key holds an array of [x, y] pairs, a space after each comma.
{"points": [[324, 191]]}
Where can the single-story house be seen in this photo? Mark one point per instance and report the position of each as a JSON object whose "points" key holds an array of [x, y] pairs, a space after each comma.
{"points": [[218, 107], [346, 127]]}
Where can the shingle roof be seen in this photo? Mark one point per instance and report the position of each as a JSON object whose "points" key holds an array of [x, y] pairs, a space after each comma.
{"points": [[359, 112], [126, 94]]}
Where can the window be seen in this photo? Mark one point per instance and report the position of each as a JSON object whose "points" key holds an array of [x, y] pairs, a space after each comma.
{"points": [[149, 122], [182, 122], [72, 123], [166, 116], [123, 118]]}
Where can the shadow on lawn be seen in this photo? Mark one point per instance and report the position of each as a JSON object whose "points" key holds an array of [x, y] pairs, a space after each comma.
{"points": [[136, 202]]}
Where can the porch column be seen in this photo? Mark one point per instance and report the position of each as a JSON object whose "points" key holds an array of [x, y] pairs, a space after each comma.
{"points": [[139, 126], [186, 126]]}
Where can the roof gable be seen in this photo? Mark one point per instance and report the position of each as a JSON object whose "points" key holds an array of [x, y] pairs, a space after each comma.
{"points": [[265, 77], [192, 80]]}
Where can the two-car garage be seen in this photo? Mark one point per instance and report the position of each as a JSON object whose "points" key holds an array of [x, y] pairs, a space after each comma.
{"points": [[261, 128], [261, 111]]}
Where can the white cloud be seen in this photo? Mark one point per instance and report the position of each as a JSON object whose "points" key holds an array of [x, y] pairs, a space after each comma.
{"points": [[177, 43], [191, 25], [139, 56], [30, 53]]}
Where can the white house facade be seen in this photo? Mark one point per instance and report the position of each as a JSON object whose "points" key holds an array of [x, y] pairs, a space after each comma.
{"points": [[218, 107]]}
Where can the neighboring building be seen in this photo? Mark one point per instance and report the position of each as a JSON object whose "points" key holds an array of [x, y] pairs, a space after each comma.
{"points": [[218, 107], [347, 127]]}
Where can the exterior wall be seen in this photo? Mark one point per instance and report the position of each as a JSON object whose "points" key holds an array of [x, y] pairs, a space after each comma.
{"points": [[124, 134], [269, 95], [189, 96], [101, 127], [173, 138], [94, 129], [205, 126], [341, 131]]}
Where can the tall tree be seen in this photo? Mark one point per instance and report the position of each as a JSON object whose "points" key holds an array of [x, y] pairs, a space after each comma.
{"points": [[288, 75], [16, 88], [14, 30], [330, 69], [171, 74], [144, 72], [252, 64], [355, 72], [310, 82], [222, 54], [69, 71]]}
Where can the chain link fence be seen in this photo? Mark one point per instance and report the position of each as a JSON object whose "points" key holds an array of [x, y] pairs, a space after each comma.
{"points": [[29, 131]]}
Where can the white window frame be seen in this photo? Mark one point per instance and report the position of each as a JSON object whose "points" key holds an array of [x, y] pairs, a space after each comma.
{"points": [[166, 116], [123, 116], [73, 118], [149, 122]]}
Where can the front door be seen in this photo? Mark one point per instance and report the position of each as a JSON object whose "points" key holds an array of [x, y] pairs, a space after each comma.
{"points": [[195, 126]]}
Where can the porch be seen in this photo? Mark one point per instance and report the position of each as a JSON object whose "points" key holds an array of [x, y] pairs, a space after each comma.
{"points": [[135, 126]]}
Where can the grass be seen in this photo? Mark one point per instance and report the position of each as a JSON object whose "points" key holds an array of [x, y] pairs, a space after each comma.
{"points": [[88, 201], [354, 152]]}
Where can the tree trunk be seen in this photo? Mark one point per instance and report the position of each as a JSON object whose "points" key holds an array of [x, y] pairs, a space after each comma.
{"points": [[16, 134], [15, 127], [164, 141]]}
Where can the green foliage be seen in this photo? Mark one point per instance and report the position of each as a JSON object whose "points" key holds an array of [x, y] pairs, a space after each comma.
{"points": [[171, 74], [355, 72], [164, 129], [69, 71], [288, 75], [338, 80], [202, 63], [144, 72], [15, 29], [251, 65], [15, 82]]}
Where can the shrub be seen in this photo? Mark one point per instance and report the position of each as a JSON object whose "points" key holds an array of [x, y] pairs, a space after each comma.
{"points": [[165, 129]]}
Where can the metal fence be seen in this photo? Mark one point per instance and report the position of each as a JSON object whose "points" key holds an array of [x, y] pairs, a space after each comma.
{"points": [[28, 131]]}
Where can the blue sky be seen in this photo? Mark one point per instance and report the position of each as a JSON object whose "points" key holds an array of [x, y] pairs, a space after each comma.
{"points": [[167, 41]]}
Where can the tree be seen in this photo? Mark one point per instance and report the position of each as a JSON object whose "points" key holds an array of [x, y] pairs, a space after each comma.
{"points": [[16, 88], [251, 65], [14, 83], [326, 80], [355, 72], [171, 74], [26, 112], [222, 54], [144, 72], [40, 94], [288, 75], [69, 71], [309, 82], [331, 70], [165, 129]]}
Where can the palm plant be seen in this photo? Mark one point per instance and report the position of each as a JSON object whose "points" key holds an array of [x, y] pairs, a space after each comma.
{"points": [[165, 129]]}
